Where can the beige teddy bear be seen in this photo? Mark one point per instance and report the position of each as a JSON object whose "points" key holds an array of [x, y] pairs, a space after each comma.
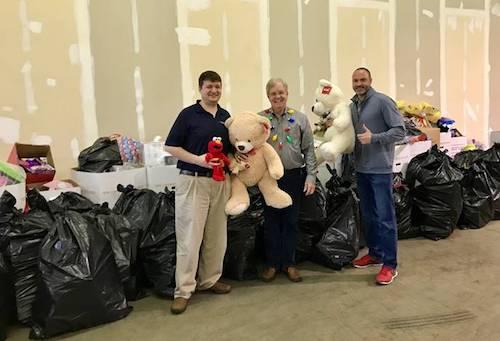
{"points": [[335, 116], [248, 132]]}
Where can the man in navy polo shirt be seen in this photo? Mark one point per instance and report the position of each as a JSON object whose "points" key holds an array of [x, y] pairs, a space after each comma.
{"points": [[200, 220]]}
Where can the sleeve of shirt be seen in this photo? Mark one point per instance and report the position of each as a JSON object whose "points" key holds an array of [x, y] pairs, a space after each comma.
{"points": [[307, 146], [177, 134], [394, 121]]}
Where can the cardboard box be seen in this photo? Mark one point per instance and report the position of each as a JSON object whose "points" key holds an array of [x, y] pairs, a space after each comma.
{"points": [[433, 134], [160, 177], [401, 158], [101, 187], [419, 147], [20, 151]]}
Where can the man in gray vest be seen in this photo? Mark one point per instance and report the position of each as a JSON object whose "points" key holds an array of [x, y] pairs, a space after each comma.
{"points": [[378, 125]]}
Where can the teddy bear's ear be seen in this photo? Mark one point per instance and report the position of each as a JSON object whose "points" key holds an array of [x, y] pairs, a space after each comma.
{"points": [[228, 122], [324, 82], [266, 124]]}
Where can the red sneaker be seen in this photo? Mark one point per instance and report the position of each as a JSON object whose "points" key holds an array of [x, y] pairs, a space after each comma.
{"points": [[365, 262], [386, 275]]}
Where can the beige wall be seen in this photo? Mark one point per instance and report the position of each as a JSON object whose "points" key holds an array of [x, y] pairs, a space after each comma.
{"points": [[138, 60]]}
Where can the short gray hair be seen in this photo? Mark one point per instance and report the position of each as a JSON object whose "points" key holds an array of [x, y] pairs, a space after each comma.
{"points": [[272, 82]]}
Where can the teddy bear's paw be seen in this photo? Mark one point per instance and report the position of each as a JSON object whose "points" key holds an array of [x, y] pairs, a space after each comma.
{"points": [[235, 208], [327, 153], [276, 174], [278, 199]]}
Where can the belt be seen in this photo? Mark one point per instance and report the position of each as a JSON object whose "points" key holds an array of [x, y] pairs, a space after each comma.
{"points": [[207, 173]]}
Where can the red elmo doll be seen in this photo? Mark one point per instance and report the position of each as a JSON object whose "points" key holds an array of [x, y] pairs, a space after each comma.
{"points": [[215, 154]]}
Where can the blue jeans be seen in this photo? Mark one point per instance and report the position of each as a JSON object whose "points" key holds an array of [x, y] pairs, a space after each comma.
{"points": [[280, 225], [379, 216]]}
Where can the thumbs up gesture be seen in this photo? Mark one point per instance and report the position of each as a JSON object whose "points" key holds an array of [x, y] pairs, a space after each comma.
{"points": [[366, 136]]}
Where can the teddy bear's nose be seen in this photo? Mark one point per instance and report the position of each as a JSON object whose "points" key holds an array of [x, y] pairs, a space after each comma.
{"points": [[241, 147]]}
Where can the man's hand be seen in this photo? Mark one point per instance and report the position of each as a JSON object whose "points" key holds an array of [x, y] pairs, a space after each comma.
{"points": [[309, 188], [366, 136], [240, 157], [201, 161]]}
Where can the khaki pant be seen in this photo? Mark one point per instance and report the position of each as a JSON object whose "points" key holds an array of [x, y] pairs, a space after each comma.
{"points": [[201, 232]]}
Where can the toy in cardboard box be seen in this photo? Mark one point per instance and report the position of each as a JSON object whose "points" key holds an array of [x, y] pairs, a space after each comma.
{"points": [[36, 160]]}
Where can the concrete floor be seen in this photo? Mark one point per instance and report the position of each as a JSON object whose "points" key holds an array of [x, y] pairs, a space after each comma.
{"points": [[446, 290]]}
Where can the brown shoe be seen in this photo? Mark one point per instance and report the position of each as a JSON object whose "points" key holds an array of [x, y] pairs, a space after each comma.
{"points": [[293, 274], [179, 305], [268, 275], [220, 288]]}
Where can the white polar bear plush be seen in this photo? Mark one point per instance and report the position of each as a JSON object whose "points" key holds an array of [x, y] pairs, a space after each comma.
{"points": [[335, 115]]}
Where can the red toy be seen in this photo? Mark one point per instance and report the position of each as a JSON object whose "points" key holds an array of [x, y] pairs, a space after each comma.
{"points": [[215, 154]]}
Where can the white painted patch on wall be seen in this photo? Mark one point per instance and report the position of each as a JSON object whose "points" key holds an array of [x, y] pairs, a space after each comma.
{"points": [[25, 32], [417, 31], [452, 22], [87, 93], [428, 83], [429, 93], [74, 54], [135, 25], [139, 108], [227, 84], [306, 2], [193, 36], [35, 26], [495, 10], [417, 76], [401, 85], [75, 148], [363, 32], [7, 109], [9, 130], [185, 58], [51, 82], [198, 5], [40, 139], [31, 106], [301, 80], [225, 42], [300, 29], [469, 111], [428, 13]]}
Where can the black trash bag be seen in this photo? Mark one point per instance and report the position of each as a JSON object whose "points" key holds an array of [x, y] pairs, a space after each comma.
{"points": [[403, 207], [158, 246], [311, 225], [124, 243], [70, 201], [25, 237], [466, 159], [36, 201], [492, 162], [477, 195], [80, 285], [241, 260], [437, 194], [140, 207], [339, 245], [100, 157], [7, 296]]}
